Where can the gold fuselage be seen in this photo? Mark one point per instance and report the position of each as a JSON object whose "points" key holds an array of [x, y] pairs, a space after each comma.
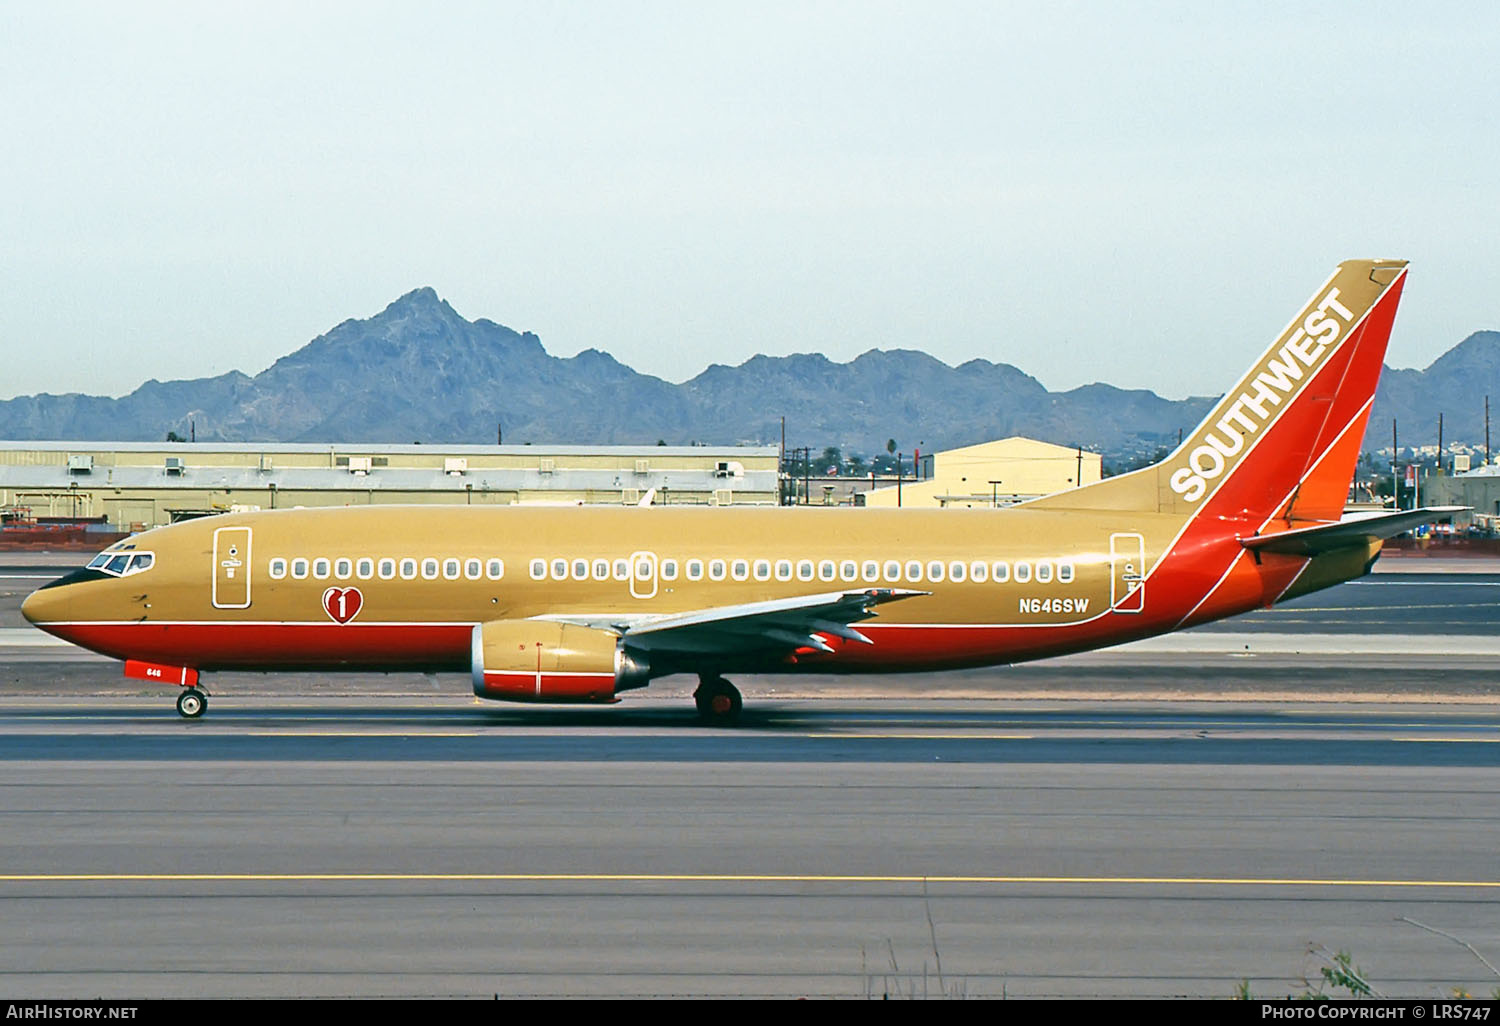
{"points": [[1070, 580]]}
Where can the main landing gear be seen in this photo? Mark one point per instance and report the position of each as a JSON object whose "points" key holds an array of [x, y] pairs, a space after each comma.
{"points": [[192, 703], [718, 701]]}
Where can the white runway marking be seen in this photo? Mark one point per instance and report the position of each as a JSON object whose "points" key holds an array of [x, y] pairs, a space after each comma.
{"points": [[1317, 644], [1425, 584], [28, 637]]}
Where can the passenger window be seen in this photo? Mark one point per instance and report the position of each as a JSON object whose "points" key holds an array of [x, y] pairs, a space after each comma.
{"points": [[277, 569], [739, 570], [644, 569], [763, 569], [343, 569], [827, 570], [387, 569], [559, 569], [849, 570], [1064, 573], [473, 569], [1043, 571], [299, 569], [538, 569], [622, 569], [783, 569], [979, 571], [669, 569], [871, 570], [804, 570], [408, 569], [580, 569], [957, 571], [365, 569], [914, 571], [935, 571], [601, 569], [320, 568], [494, 569], [716, 570], [451, 571], [1023, 571], [695, 569], [892, 570], [1001, 571]]}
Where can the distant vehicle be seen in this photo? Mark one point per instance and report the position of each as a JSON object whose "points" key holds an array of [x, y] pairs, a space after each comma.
{"points": [[580, 604]]}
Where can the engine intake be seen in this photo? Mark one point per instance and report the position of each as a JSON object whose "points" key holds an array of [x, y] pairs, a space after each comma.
{"points": [[543, 661]]}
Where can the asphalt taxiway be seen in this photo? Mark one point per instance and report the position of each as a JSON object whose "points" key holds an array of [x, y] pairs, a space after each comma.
{"points": [[1146, 821]]}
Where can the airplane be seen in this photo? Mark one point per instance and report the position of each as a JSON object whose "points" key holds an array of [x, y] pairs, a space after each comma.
{"points": [[580, 604]]}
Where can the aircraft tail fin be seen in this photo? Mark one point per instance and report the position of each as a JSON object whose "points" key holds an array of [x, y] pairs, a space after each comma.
{"points": [[1284, 441]]}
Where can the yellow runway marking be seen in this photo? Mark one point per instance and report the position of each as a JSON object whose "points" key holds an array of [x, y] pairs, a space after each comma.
{"points": [[921, 737], [360, 733], [1175, 881]]}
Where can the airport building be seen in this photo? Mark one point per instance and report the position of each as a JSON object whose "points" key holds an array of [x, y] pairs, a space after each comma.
{"points": [[998, 473], [134, 486], [1478, 489]]}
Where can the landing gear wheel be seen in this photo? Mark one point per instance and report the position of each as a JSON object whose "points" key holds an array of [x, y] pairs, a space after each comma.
{"points": [[718, 702], [192, 703]]}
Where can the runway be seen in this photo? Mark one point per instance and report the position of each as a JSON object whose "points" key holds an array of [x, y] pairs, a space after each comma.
{"points": [[391, 837]]}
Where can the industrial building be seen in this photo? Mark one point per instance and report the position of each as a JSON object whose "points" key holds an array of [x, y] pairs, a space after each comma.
{"points": [[134, 486], [995, 473], [1478, 489]]}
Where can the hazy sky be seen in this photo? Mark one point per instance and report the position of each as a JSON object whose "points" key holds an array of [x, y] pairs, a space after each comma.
{"points": [[1141, 194]]}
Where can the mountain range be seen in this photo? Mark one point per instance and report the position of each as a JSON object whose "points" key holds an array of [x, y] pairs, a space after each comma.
{"points": [[418, 371]]}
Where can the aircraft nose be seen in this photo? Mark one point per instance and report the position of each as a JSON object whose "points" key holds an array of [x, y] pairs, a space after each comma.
{"points": [[43, 606], [35, 607], [50, 601]]}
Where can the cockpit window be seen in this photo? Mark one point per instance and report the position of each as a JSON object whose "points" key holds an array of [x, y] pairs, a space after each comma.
{"points": [[122, 564]]}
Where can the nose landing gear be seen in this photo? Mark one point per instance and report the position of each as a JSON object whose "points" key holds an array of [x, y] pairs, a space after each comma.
{"points": [[192, 703], [718, 701]]}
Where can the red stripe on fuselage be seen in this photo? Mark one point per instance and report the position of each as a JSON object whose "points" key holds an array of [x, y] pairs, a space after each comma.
{"points": [[257, 646], [896, 647]]}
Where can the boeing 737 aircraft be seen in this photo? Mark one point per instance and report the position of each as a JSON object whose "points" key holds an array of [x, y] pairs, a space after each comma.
{"points": [[579, 604]]}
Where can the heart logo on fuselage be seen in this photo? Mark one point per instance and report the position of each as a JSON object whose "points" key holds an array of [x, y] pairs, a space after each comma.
{"points": [[342, 604]]}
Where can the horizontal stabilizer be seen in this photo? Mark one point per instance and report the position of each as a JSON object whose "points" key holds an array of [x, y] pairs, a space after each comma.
{"points": [[1355, 530]]}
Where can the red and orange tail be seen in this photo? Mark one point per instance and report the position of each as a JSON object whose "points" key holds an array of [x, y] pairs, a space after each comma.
{"points": [[1282, 444]]}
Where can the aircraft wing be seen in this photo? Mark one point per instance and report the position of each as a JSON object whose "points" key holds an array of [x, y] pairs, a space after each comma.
{"points": [[1353, 530], [789, 623]]}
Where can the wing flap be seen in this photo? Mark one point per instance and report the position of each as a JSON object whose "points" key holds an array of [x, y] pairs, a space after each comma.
{"points": [[775, 624]]}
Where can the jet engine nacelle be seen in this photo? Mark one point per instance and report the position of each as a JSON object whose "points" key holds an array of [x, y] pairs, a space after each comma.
{"points": [[543, 661]]}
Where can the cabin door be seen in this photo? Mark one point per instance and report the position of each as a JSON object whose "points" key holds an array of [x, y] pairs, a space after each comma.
{"points": [[1127, 567], [231, 568]]}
